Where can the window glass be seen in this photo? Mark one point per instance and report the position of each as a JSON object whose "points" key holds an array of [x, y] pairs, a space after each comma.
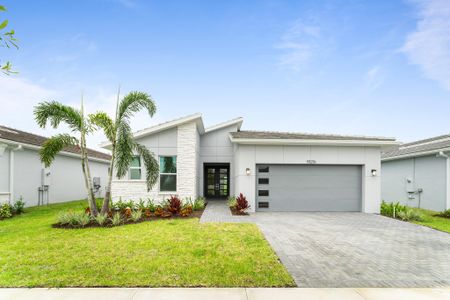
{"points": [[168, 173], [263, 169], [263, 180], [135, 168], [263, 193]]}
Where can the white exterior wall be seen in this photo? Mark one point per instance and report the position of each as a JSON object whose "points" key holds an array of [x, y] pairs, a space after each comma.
{"points": [[66, 181], [181, 141], [216, 147], [427, 172], [247, 156]]}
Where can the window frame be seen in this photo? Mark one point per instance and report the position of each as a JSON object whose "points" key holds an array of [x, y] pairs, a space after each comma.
{"points": [[170, 174], [135, 168]]}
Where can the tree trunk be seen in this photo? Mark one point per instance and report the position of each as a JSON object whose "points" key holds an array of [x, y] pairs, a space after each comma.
{"points": [[107, 200], [87, 176]]}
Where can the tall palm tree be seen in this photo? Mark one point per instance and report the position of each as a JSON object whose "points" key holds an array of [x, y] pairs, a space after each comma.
{"points": [[123, 147], [56, 112]]}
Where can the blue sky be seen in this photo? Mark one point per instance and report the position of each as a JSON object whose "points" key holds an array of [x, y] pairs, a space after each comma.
{"points": [[346, 67]]}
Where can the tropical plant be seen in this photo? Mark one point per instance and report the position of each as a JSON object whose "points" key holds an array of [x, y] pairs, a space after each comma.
{"points": [[409, 214], [199, 204], [18, 206], [101, 219], [241, 203], [7, 40], [136, 215], [57, 113], [122, 145], [5, 211], [81, 219], [65, 217], [174, 205], [186, 210], [232, 202], [116, 219], [444, 214], [151, 206]]}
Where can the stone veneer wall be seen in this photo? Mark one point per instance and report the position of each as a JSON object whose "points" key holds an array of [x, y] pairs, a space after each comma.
{"points": [[187, 160]]}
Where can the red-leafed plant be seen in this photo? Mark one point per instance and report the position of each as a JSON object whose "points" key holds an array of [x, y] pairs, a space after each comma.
{"points": [[241, 203], [174, 205]]}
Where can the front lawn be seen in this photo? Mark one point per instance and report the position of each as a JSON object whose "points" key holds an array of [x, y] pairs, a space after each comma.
{"points": [[431, 220], [178, 252]]}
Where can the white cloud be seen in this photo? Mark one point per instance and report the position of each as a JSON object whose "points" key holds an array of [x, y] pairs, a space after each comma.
{"points": [[18, 96], [373, 78], [429, 45], [299, 44]]}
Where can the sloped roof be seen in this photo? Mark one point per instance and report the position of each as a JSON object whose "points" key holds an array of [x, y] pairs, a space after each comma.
{"points": [[417, 148], [19, 136], [248, 134]]}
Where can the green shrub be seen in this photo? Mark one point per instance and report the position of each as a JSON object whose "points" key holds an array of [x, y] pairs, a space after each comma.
{"points": [[198, 204], [232, 202], [136, 215], [5, 211], [116, 219], [444, 214], [398, 211], [122, 205], [81, 219], [141, 205], [151, 206], [18, 206], [65, 218], [409, 214], [101, 219]]}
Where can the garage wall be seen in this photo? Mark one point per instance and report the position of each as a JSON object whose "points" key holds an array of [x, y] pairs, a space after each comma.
{"points": [[216, 147], [4, 176], [247, 156], [427, 172]]}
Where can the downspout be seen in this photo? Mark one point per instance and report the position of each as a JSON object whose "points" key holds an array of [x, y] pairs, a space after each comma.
{"points": [[447, 183], [11, 172]]}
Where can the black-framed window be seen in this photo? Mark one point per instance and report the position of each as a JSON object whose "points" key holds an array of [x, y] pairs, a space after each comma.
{"points": [[263, 180], [135, 169], [168, 173], [263, 169], [263, 192]]}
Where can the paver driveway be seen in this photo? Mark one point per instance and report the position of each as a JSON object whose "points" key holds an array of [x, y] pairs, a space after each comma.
{"points": [[351, 249]]}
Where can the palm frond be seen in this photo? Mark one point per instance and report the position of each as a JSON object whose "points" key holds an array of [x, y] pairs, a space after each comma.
{"points": [[151, 165], [134, 102], [56, 112], [124, 149], [54, 145], [103, 121]]}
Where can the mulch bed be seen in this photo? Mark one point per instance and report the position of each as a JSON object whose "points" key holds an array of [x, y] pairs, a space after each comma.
{"points": [[93, 223], [236, 212]]}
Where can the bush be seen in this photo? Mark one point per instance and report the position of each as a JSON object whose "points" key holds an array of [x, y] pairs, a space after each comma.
{"points": [[174, 205], [80, 219], [101, 219], [141, 205], [65, 218], [232, 202], [116, 219], [122, 205], [136, 215], [409, 214], [186, 210], [398, 211], [127, 212], [151, 206], [198, 204], [5, 211], [241, 203], [18, 206], [444, 214]]}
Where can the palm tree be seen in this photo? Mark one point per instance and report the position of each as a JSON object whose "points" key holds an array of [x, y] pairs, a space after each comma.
{"points": [[123, 147], [56, 112]]}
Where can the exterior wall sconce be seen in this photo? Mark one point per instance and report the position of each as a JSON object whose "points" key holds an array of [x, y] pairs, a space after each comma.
{"points": [[374, 172], [247, 171]]}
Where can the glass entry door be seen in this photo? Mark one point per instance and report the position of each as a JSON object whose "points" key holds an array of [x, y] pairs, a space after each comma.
{"points": [[217, 181]]}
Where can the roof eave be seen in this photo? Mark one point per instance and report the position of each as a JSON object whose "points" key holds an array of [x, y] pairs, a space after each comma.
{"points": [[237, 121], [247, 141], [415, 154]]}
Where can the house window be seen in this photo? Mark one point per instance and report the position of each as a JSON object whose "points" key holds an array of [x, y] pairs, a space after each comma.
{"points": [[263, 169], [263, 180], [135, 168], [263, 193], [168, 173]]}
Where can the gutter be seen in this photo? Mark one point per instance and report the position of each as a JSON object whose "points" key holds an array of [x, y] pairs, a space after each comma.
{"points": [[11, 171], [416, 154]]}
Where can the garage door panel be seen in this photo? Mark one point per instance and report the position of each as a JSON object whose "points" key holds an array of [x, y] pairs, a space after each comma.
{"points": [[311, 188]]}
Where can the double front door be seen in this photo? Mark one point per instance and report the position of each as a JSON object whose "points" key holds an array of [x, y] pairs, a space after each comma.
{"points": [[217, 180]]}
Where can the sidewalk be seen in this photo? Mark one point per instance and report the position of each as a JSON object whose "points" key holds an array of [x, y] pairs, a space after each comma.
{"points": [[223, 293]]}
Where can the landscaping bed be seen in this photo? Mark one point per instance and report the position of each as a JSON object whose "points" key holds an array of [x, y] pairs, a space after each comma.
{"points": [[238, 205], [178, 252]]}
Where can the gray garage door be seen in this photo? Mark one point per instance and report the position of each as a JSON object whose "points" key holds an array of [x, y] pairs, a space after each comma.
{"points": [[308, 188]]}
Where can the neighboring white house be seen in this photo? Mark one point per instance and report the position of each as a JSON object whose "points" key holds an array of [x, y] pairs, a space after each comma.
{"points": [[23, 175], [275, 171], [418, 174]]}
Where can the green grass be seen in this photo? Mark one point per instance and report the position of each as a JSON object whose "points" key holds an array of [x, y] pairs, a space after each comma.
{"points": [[173, 253], [430, 220]]}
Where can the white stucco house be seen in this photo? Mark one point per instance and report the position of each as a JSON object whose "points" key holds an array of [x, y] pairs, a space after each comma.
{"points": [[276, 171], [417, 174], [23, 175]]}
